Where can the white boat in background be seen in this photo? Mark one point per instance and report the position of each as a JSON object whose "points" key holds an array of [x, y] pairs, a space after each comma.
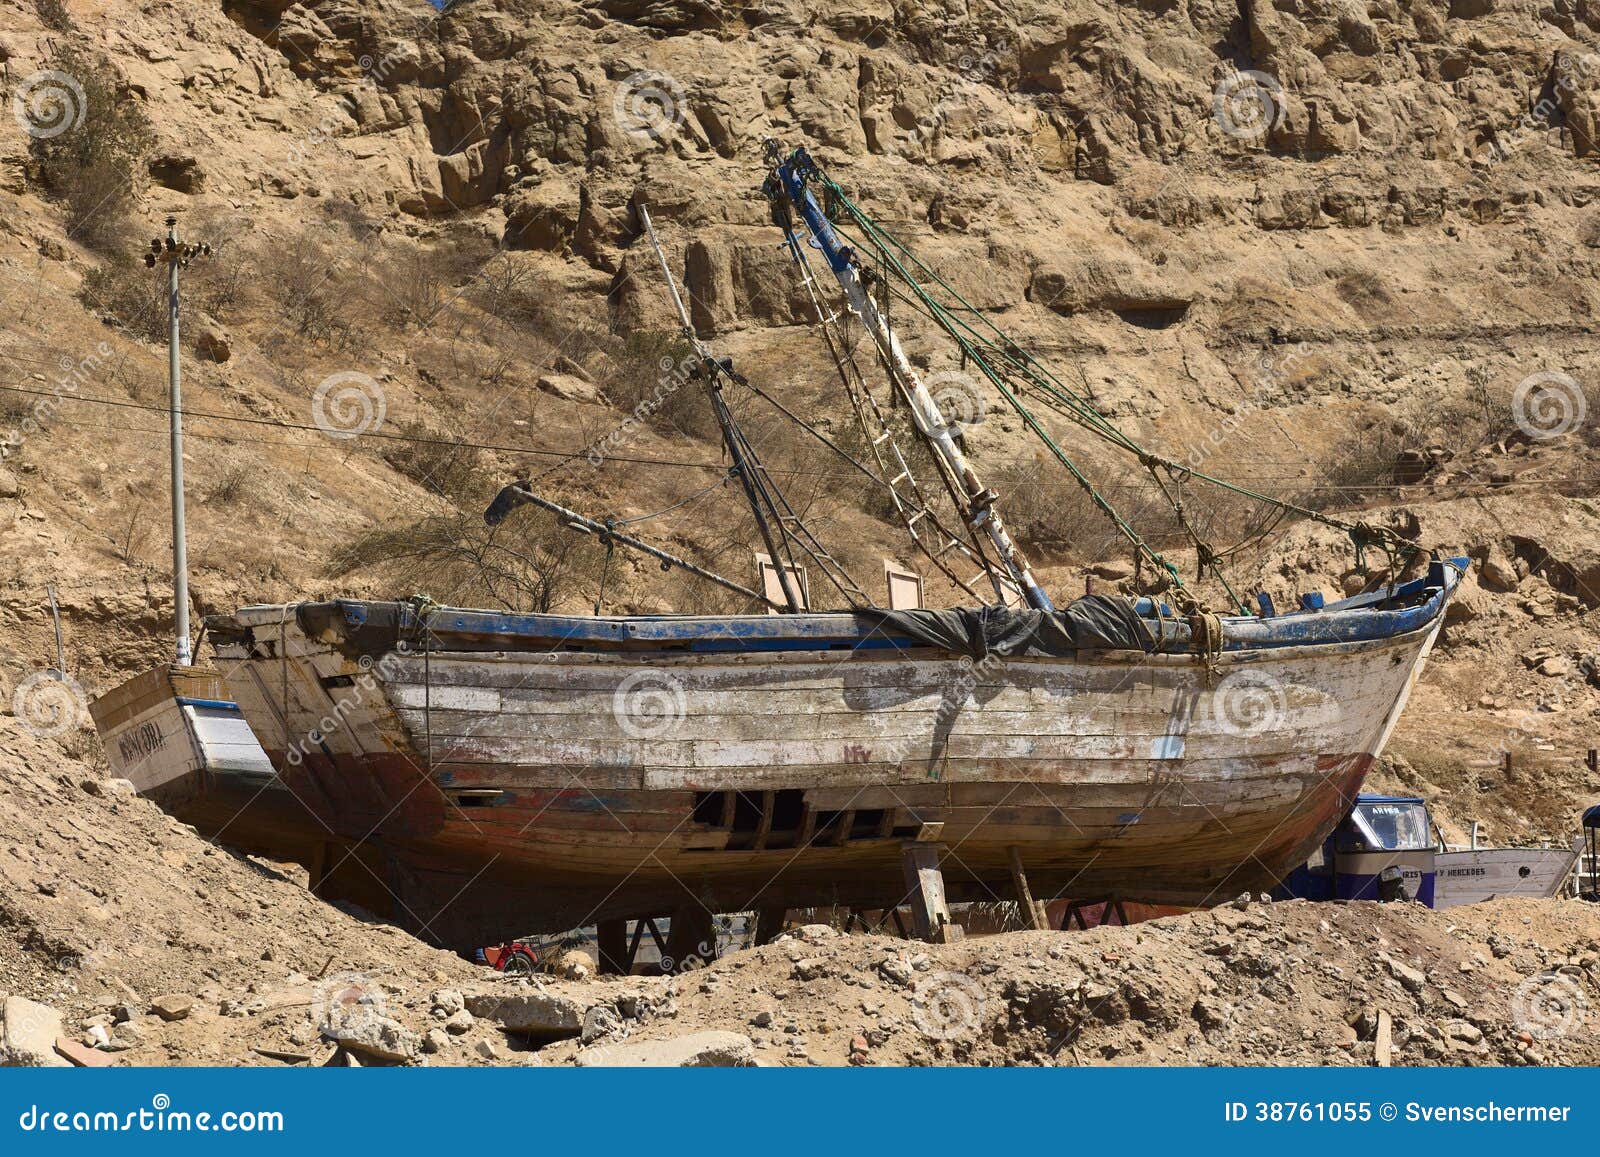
{"points": [[173, 733], [1471, 877]]}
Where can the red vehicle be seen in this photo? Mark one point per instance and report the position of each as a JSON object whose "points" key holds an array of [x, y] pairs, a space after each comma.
{"points": [[515, 958]]}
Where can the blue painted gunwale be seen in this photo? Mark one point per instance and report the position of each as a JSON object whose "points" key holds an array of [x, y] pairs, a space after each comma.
{"points": [[1356, 620], [216, 704]]}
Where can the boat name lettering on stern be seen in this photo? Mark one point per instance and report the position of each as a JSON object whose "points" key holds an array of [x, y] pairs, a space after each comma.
{"points": [[142, 742]]}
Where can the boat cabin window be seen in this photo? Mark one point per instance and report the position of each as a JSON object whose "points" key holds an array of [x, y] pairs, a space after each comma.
{"points": [[1386, 826]]}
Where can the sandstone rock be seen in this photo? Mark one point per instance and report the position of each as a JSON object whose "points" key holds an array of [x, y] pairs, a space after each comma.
{"points": [[544, 217], [178, 172], [1497, 572], [83, 1056], [546, 1015], [28, 1034], [446, 1001], [1114, 571], [1410, 978], [574, 964], [172, 1007], [570, 388], [435, 1040], [696, 1050], [374, 1036], [1070, 285], [896, 970], [458, 1022], [211, 340]]}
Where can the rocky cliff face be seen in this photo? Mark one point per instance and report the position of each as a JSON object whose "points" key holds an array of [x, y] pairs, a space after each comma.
{"points": [[1297, 242]]}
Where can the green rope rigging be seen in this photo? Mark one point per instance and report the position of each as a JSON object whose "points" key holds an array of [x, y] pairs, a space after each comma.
{"points": [[1013, 371]]}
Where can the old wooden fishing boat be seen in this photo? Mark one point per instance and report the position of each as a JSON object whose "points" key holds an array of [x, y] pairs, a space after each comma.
{"points": [[1473, 875], [479, 775], [502, 774]]}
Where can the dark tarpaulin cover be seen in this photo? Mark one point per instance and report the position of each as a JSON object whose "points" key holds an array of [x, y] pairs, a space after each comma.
{"points": [[1093, 623]]}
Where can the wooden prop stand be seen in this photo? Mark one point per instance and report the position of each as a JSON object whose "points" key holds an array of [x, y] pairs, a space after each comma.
{"points": [[930, 913], [1033, 911]]}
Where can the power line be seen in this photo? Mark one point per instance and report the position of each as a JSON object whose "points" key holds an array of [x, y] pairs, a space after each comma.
{"points": [[635, 460]]}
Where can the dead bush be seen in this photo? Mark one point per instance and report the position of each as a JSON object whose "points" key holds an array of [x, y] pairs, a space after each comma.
{"points": [[133, 295], [309, 281], [534, 565], [97, 165], [231, 489], [653, 376], [1405, 446], [438, 463], [1048, 511]]}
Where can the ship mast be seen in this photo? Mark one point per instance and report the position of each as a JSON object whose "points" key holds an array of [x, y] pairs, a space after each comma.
{"points": [[787, 186], [775, 519]]}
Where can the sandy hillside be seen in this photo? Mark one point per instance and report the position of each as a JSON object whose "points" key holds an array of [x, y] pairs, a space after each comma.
{"points": [[1333, 281]]}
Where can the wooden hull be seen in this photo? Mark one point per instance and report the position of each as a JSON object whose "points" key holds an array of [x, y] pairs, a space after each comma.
{"points": [[498, 789]]}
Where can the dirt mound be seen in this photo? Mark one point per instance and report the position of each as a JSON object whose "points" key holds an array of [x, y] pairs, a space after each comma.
{"points": [[1509, 982]]}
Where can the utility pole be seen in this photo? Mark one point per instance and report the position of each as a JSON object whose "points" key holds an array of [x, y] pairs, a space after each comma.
{"points": [[175, 255]]}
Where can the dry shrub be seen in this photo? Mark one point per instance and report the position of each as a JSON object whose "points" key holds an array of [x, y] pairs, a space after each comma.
{"points": [[1048, 510], [532, 564], [97, 168], [1364, 464], [653, 375], [231, 489], [309, 280], [53, 15], [135, 296], [439, 463], [411, 286], [215, 285]]}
